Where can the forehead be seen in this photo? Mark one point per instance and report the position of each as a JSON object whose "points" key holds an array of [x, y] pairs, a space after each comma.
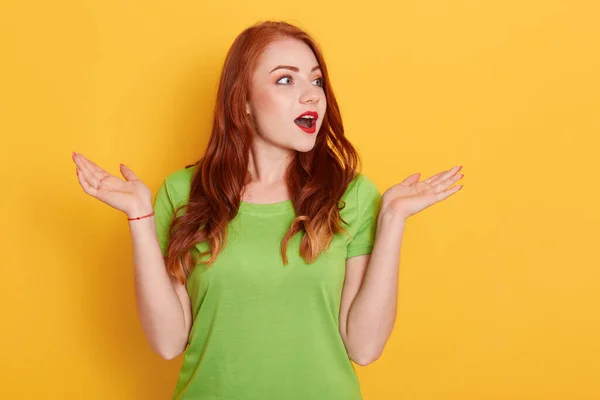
{"points": [[287, 52]]}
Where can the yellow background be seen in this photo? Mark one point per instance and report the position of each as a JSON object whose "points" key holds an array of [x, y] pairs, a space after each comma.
{"points": [[499, 293]]}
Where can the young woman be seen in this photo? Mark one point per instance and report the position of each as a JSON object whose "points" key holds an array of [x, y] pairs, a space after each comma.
{"points": [[271, 263]]}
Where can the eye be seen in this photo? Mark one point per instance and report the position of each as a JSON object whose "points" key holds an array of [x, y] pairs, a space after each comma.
{"points": [[320, 80], [283, 77]]}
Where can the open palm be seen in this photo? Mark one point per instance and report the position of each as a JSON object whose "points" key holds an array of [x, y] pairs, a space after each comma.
{"points": [[411, 196], [130, 195]]}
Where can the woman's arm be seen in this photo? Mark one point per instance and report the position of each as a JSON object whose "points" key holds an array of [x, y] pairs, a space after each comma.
{"points": [[162, 302], [369, 297]]}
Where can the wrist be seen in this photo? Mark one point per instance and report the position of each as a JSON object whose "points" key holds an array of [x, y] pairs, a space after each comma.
{"points": [[140, 211], [387, 216]]}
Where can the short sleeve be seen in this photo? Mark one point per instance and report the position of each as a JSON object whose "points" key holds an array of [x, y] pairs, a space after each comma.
{"points": [[163, 215], [368, 200]]}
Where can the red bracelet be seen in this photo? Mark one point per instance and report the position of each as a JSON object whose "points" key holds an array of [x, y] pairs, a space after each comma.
{"points": [[145, 216]]}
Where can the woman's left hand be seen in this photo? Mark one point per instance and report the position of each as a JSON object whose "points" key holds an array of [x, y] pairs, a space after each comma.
{"points": [[411, 196]]}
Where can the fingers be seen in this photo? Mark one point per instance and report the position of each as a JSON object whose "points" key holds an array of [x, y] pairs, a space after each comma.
{"points": [[442, 176], [91, 175], [434, 177], [87, 171], [447, 193], [414, 178], [127, 173], [443, 185], [98, 172], [81, 159], [94, 167], [87, 188]]}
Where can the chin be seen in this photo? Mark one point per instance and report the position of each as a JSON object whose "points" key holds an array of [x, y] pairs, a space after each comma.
{"points": [[305, 146], [307, 143], [305, 149]]}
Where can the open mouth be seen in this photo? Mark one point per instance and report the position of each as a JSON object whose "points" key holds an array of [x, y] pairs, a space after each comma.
{"points": [[307, 121]]}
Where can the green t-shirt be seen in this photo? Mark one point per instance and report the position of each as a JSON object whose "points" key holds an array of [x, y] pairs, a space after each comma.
{"points": [[263, 330]]}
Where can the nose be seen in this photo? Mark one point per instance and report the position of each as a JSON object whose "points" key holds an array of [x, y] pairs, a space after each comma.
{"points": [[310, 95]]}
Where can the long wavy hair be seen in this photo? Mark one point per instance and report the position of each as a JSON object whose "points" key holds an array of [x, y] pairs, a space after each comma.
{"points": [[317, 179]]}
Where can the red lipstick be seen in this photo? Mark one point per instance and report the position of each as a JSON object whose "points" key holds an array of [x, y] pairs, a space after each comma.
{"points": [[307, 121]]}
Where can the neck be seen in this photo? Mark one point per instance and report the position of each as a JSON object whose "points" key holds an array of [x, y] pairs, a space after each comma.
{"points": [[267, 165]]}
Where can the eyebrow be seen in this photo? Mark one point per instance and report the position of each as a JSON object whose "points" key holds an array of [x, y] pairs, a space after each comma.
{"points": [[292, 68]]}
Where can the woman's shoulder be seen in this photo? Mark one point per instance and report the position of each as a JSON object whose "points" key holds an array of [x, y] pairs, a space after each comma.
{"points": [[178, 183], [362, 197], [360, 188], [182, 175]]}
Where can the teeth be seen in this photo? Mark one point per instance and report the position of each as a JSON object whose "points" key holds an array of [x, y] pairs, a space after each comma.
{"points": [[308, 117]]}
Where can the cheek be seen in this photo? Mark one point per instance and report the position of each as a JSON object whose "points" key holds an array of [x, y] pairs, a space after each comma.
{"points": [[269, 107], [322, 110], [264, 102]]}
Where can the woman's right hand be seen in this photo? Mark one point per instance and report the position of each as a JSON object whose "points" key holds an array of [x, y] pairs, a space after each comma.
{"points": [[131, 196]]}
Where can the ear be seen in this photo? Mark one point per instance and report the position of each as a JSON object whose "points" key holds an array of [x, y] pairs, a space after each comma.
{"points": [[247, 109]]}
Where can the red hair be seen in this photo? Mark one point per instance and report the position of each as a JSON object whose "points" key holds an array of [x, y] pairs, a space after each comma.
{"points": [[317, 179]]}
